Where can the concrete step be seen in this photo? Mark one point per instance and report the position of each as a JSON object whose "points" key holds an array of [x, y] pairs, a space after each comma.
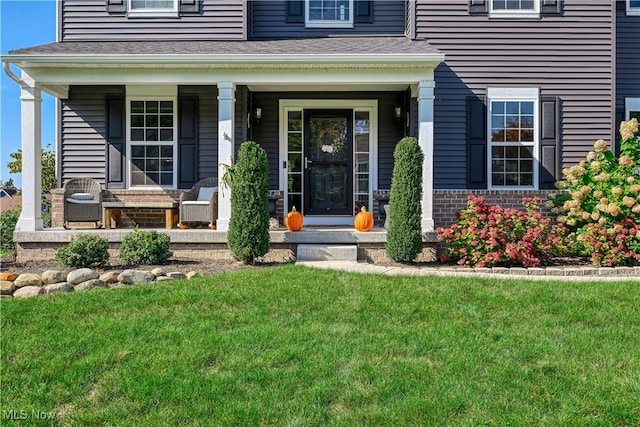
{"points": [[327, 253]]}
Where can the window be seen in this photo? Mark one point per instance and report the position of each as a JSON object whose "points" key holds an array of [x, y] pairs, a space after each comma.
{"points": [[514, 8], [153, 8], [513, 138], [329, 13], [632, 108], [151, 137], [633, 7]]}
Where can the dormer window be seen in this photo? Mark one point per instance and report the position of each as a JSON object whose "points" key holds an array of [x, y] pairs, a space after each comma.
{"points": [[329, 13], [153, 8], [514, 8]]}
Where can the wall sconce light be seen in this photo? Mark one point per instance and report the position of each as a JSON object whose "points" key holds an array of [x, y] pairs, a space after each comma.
{"points": [[397, 112], [258, 114]]}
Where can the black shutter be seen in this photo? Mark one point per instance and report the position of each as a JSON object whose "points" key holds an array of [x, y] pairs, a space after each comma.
{"points": [[295, 11], [187, 141], [116, 6], [476, 142], [189, 6], [477, 7], [550, 7], [363, 11], [115, 135], [549, 142]]}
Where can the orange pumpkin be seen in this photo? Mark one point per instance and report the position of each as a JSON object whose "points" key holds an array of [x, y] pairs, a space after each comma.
{"points": [[293, 220], [363, 221]]}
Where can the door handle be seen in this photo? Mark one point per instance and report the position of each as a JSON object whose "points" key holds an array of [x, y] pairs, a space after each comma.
{"points": [[307, 162]]}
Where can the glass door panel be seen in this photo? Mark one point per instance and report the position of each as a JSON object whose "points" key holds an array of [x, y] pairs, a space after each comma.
{"points": [[328, 182]]}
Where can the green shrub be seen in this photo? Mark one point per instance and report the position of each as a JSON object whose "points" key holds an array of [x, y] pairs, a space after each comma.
{"points": [[8, 221], [603, 190], [145, 248], [404, 237], [249, 223], [84, 250]]}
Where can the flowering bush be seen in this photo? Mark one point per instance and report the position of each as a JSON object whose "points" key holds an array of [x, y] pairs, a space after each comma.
{"points": [[605, 191], [617, 245], [486, 235]]}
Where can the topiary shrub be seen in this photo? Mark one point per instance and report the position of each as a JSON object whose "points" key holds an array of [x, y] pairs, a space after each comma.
{"points": [[404, 236], [249, 223], [8, 221], [145, 247], [84, 250], [602, 201]]}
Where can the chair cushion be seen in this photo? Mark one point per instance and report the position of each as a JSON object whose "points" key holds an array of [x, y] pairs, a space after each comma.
{"points": [[83, 202], [205, 193], [81, 196], [196, 203]]}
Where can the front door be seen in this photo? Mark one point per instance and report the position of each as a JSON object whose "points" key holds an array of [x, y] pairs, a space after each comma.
{"points": [[328, 177]]}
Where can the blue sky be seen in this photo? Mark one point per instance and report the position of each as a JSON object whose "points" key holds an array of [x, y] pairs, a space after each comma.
{"points": [[23, 23]]}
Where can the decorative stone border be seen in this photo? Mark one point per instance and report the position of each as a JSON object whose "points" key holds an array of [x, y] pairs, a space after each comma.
{"points": [[26, 285]]}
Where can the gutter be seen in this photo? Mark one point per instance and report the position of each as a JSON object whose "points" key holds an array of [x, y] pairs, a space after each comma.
{"points": [[12, 75]]}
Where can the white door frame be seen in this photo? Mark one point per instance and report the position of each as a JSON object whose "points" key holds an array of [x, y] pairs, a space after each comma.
{"points": [[369, 105]]}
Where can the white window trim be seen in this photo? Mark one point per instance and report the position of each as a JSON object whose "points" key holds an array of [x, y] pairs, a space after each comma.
{"points": [[515, 94], [152, 93], [631, 104], [369, 105], [328, 24], [152, 13], [515, 14], [632, 11]]}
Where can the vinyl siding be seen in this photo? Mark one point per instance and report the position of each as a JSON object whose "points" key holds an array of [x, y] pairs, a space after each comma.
{"points": [[627, 60], [89, 21], [266, 133], [567, 55], [83, 128], [269, 21], [207, 127]]}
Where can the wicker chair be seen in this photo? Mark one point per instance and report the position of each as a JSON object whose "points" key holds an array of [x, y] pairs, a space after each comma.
{"points": [[200, 206], [82, 202]]}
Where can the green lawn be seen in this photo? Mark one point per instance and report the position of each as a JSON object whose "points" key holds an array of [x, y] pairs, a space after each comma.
{"points": [[290, 346]]}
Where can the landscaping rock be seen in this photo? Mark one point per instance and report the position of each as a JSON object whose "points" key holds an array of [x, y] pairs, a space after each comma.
{"points": [[176, 275], [5, 297], [136, 276], [90, 284], [27, 279], [58, 287], [28, 292], [164, 278], [8, 276], [81, 275], [6, 287], [54, 276], [158, 272], [109, 277], [192, 274]]}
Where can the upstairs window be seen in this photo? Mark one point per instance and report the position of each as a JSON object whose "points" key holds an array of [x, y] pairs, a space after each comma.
{"points": [[153, 8], [329, 13], [514, 8], [633, 7]]}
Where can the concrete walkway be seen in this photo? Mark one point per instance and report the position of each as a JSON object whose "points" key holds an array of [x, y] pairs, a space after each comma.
{"points": [[572, 273]]}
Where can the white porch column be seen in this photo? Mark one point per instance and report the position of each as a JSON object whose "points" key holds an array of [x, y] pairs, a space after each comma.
{"points": [[31, 119], [226, 108], [425, 139]]}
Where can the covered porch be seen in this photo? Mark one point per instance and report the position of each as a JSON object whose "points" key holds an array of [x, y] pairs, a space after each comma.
{"points": [[253, 90]]}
